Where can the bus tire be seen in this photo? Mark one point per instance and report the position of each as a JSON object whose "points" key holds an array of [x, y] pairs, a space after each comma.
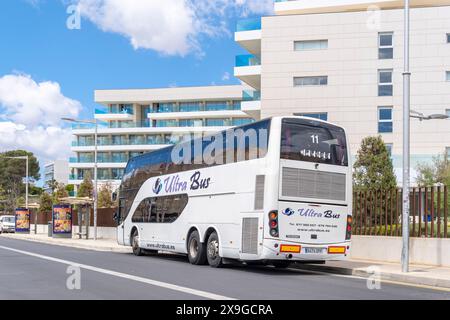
{"points": [[137, 251], [212, 251], [196, 249]]}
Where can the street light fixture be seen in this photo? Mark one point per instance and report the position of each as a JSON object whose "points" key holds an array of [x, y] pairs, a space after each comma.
{"points": [[27, 175], [95, 122], [421, 116]]}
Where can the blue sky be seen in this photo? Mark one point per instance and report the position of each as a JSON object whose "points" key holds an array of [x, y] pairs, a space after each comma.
{"points": [[48, 71]]}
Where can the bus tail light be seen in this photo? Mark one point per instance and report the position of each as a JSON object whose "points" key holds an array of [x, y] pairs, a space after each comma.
{"points": [[273, 223], [336, 250], [348, 230]]}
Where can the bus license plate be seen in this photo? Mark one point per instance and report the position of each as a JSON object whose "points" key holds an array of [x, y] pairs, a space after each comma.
{"points": [[315, 250]]}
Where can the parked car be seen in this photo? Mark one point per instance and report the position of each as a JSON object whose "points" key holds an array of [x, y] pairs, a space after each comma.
{"points": [[7, 224]]}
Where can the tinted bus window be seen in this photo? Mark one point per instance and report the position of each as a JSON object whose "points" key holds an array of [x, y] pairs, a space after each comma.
{"points": [[160, 210], [312, 141]]}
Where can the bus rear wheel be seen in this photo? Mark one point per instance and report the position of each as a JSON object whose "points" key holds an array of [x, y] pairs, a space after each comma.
{"points": [[135, 244], [196, 249], [212, 251]]}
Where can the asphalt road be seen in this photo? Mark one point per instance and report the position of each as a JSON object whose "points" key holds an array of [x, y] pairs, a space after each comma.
{"points": [[38, 271]]}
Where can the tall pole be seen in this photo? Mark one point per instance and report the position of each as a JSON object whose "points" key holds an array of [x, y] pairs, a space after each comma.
{"points": [[96, 181], [406, 143]]}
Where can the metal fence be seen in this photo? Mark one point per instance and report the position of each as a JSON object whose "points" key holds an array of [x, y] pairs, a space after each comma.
{"points": [[379, 213]]}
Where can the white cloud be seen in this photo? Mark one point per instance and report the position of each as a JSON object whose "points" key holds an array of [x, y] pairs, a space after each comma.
{"points": [[47, 143], [171, 27], [30, 117], [27, 102]]}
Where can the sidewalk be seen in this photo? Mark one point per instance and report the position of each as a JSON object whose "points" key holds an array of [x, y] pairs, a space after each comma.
{"points": [[429, 276], [98, 245]]}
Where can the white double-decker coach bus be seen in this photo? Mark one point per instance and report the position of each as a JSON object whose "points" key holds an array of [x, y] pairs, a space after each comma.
{"points": [[273, 192]]}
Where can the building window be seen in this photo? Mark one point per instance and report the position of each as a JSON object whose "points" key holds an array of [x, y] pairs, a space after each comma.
{"points": [[385, 85], [447, 75], [389, 147], [448, 37], [310, 81], [447, 152], [385, 121], [385, 45], [321, 116], [216, 106], [310, 45], [236, 122], [447, 112]]}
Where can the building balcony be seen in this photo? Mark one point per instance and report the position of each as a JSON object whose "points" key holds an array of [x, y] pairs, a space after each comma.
{"points": [[200, 114], [287, 7], [251, 103], [106, 115], [99, 160], [248, 69], [248, 35]]}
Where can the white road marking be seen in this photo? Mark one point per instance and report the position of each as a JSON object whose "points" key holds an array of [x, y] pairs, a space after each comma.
{"points": [[349, 276], [156, 283]]}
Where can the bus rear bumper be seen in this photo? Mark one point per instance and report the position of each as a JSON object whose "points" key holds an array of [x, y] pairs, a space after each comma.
{"points": [[279, 250]]}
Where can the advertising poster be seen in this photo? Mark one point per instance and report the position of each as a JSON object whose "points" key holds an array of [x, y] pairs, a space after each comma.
{"points": [[62, 220], [22, 220]]}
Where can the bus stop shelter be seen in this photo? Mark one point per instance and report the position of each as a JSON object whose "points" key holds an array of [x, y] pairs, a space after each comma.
{"points": [[83, 214]]}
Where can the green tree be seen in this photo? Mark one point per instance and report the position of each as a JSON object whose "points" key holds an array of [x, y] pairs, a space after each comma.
{"points": [[46, 203], [437, 172], [60, 193], [86, 189], [12, 173], [53, 185], [70, 188], [373, 169], [105, 196]]}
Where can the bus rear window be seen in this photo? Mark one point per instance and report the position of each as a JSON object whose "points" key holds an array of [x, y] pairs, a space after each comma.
{"points": [[312, 141]]}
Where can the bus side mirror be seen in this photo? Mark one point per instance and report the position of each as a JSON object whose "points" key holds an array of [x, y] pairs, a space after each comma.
{"points": [[114, 196]]}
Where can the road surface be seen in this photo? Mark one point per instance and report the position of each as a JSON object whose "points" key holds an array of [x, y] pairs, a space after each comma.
{"points": [[31, 270]]}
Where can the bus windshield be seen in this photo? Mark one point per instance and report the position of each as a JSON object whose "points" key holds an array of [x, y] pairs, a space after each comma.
{"points": [[313, 141]]}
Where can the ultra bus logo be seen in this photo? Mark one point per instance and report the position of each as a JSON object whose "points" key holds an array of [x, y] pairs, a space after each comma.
{"points": [[288, 212], [158, 186], [311, 213]]}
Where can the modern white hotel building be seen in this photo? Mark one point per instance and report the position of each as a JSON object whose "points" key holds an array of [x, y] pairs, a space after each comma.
{"points": [[337, 60], [133, 122], [342, 61]]}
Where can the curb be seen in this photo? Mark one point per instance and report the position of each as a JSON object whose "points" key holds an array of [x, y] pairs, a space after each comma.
{"points": [[363, 273], [72, 245]]}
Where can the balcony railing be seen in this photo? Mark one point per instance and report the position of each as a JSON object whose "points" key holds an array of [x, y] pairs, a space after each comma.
{"points": [[247, 60], [103, 159], [248, 25], [104, 176], [251, 95]]}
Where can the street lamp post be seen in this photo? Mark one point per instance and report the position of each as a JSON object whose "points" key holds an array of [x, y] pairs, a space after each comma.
{"points": [[406, 142], [95, 122]]}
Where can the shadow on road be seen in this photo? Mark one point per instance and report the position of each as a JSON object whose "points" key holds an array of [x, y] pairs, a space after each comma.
{"points": [[237, 266]]}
